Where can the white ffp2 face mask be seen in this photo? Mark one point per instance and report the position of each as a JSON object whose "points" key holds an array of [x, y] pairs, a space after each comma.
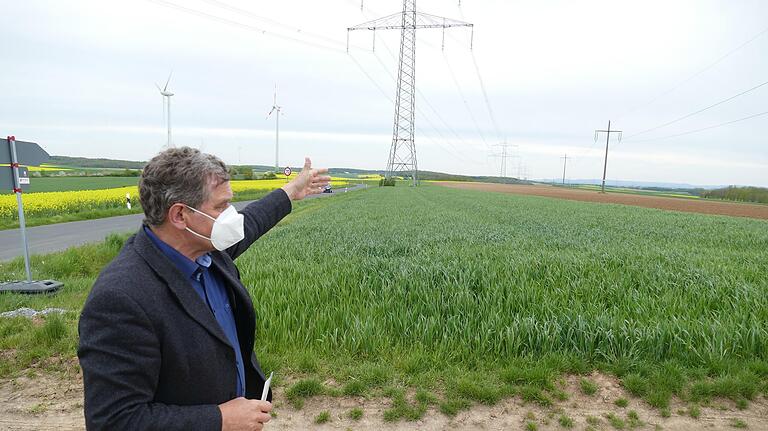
{"points": [[228, 228]]}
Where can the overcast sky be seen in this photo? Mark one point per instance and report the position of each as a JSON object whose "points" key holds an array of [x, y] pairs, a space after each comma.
{"points": [[79, 78]]}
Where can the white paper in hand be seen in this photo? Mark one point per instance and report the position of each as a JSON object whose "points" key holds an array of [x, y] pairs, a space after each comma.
{"points": [[266, 388]]}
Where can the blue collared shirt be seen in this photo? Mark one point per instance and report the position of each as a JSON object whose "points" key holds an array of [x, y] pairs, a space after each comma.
{"points": [[211, 289]]}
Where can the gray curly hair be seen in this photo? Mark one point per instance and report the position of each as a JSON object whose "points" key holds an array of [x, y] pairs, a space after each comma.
{"points": [[178, 175]]}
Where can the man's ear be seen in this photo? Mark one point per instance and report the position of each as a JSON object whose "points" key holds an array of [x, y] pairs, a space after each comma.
{"points": [[177, 217]]}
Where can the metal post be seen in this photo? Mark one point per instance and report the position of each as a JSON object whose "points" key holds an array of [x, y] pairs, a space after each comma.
{"points": [[169, 123], [277, 141], [17, 190], [605, 164]]}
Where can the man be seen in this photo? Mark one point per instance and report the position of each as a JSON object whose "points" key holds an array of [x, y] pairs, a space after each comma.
{"points": [[167, 332]]}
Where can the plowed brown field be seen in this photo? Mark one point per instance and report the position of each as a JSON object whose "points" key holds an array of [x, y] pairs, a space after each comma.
{"points": [[665, 203]]}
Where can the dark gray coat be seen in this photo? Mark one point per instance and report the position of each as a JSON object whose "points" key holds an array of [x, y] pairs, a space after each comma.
{"points": [[152, 354]]}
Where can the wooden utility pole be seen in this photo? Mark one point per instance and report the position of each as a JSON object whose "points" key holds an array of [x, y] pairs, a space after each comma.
{"points": [[607, 139], [565, 161]]}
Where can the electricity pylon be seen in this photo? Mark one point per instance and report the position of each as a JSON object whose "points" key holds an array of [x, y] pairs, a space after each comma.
{"points": [[504, 156], [402, 153]]}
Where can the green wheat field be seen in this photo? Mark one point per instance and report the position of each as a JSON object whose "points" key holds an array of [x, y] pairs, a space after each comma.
{"points": [[470, 297]]}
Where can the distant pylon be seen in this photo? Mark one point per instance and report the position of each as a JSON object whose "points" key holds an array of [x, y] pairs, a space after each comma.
{"points": [[504, 156], [402, 153], [565, 162]]}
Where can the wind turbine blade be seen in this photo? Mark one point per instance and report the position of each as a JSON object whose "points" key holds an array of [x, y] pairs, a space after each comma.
{"points": [[169, 80], [158, 87]]}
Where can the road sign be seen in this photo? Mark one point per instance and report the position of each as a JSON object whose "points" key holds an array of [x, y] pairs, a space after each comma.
{"points": [[28, 154], [287, 171], [15, 154], [6, 178]]}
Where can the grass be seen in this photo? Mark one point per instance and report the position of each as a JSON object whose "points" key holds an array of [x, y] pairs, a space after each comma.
{"points": [[694, 411], [621, 402], [299, 391], [738, 423], [615, 421], [535, 395], [37, 409], [565, 421], [477, 297], [64, 184], [355, 414], [403, 409], [323, 417], [587, 387], [451, 407]]}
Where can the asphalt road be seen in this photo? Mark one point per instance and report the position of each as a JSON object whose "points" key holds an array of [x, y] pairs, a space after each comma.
{"points": [[60, 236]]}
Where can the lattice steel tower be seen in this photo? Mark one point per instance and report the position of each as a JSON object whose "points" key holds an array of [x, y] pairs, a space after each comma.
{"points": [[402, 153]]}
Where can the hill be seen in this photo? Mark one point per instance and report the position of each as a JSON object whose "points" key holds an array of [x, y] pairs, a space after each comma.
{"points": [[102, 163]]}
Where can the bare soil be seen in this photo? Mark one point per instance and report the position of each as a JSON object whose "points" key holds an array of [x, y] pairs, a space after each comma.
{"points": [[701, 206], [48, 402]]}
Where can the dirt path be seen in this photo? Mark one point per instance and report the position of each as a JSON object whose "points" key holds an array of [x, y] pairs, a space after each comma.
{"points": [[666, 203], [52, 403]]}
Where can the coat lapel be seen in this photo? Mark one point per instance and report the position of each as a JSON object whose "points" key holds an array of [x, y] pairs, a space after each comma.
{"points": [[244, 312], [242, 298], [181, 288]]}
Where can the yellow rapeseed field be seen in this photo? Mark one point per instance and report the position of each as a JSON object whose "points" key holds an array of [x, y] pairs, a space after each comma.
{"points": [[46, 204]]}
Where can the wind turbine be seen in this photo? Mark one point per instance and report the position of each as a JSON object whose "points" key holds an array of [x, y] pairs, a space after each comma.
{"points": [[279, 109], [167, 100]]}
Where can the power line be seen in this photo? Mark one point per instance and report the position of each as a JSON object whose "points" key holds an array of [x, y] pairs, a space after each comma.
{"points": [[464, 99], [383, 92], [241, 25], [685, 81], [699, 111], [253, 15], [485, 96], [486, 99], [424, 98], [375, 83], [431, 107], [482, 88], [703, 128]]}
